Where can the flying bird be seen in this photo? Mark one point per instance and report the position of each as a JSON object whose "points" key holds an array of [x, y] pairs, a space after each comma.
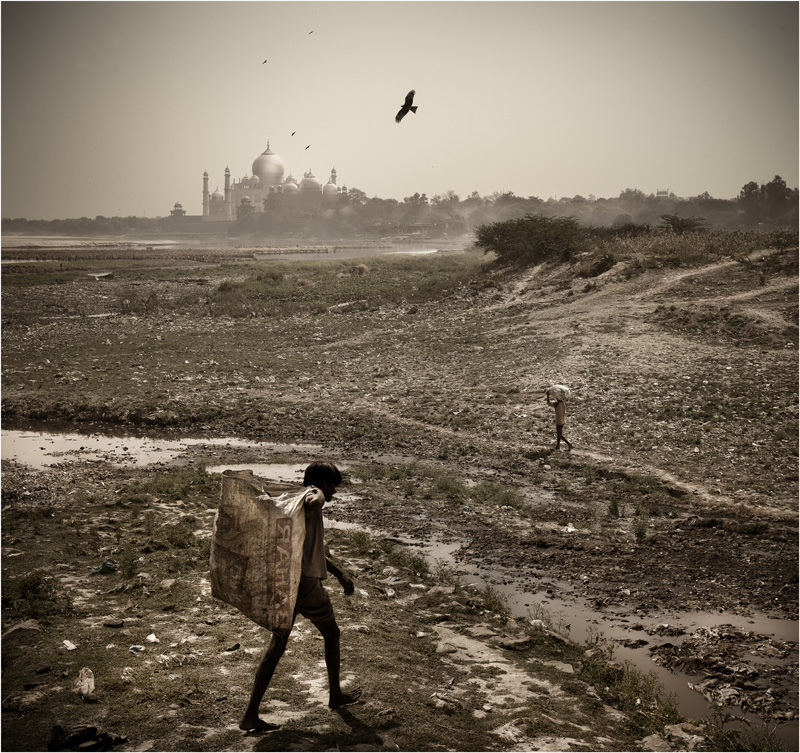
{"points": [[264, 62], [406, 107], [308, 146], [294, 132]]}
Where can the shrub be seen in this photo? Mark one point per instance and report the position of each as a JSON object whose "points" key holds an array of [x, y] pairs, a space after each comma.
{"points": [[640, 530], [681, 225], [594, 265], [35, 594], [531, 239]]}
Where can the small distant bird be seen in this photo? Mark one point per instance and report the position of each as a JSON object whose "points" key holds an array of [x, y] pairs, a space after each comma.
{"points": [[311, 32], [406, 107], [307, 146], [264, 62], [294, 132]]}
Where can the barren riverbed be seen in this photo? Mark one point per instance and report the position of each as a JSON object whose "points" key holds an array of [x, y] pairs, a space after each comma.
{"points": [[669, 533]]}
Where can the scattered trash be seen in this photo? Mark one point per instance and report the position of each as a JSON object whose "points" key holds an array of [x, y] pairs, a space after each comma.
{"points": [[70, 646], [152, 638], [127, 675], [114, 623], [108, 566], [739, 668], [71, 738], [234, 647], [85, 685], [136, 649], [83, 737]]}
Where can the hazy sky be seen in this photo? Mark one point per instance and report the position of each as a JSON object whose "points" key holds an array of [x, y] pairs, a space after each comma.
{"points": [[118, 108]]}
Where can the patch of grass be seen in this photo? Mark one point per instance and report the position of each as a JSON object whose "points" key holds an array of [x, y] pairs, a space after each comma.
{"points": [[403, 559], [128, 561], [494, 601], [35, 594], [185, 483], [726, 732], [360, 543], [443, 573], [755, 528], [640, 529], [497, 494], [554, 621], [178, 535], [639, 695]]}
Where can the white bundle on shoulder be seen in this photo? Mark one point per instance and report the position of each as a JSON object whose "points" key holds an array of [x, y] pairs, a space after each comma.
{"points": [[560, 392]]}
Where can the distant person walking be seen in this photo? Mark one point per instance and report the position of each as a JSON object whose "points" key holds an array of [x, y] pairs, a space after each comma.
{"points": [[561, 395]]}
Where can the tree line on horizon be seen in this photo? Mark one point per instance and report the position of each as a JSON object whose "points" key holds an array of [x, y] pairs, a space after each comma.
{"points": [[768, 205]]}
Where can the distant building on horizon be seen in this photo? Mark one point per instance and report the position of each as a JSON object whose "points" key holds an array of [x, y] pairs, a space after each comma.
{"points": [[252, 193]]}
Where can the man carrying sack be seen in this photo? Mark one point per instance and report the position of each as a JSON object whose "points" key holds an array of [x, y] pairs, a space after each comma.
{"points": [[280, 524]]}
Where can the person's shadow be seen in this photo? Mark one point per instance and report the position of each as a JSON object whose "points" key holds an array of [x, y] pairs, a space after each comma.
{"points": [[360, 734]]}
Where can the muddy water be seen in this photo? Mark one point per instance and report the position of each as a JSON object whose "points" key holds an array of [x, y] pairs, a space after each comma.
{"points": [[41, 449], [575, 615]]}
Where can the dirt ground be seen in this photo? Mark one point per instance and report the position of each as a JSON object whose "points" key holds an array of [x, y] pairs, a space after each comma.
{"points": [[680, 493]]}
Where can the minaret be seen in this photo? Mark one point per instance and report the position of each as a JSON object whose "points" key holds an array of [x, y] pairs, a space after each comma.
{"points": [[333, 175], [206, 205], [228, 203]]}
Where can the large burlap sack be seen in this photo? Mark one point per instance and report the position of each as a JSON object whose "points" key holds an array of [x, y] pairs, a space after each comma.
{"points": [[257, 548], [560, 392]]}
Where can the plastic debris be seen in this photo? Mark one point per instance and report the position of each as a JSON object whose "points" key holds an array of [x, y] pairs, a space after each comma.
{"points": [[85, 685], [108, 566]]}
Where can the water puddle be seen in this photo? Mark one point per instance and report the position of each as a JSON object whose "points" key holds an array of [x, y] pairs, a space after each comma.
{"points": [[568, 614], [41, 449]]}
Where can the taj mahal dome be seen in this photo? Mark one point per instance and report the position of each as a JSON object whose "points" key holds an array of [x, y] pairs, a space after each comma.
{"points": [[252, 194]]}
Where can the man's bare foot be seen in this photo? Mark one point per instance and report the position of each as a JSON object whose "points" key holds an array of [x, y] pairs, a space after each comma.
{"points": [[256, 725], [344, 699]]}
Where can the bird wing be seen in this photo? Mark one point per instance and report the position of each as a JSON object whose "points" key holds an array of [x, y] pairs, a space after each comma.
{"points": [[409, 99], [400, 114]]}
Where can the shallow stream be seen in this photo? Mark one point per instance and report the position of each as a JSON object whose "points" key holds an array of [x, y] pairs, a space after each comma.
{"points": [[40, 450]]}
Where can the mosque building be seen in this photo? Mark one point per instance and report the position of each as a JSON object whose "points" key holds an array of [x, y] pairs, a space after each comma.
{"points": [[252, 194]]}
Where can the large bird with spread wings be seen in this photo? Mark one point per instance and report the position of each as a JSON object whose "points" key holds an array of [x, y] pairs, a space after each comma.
{"points": [[406, 107]]}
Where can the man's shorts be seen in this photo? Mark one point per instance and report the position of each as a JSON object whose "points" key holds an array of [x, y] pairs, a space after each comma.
{"points": [[313, 601]]}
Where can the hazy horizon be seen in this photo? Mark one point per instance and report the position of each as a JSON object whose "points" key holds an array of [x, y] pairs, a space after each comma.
{"points": [[117, 108]]}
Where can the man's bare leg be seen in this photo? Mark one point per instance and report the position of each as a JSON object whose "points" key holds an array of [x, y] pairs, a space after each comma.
{"points": [[337, 698], [251, 721]]}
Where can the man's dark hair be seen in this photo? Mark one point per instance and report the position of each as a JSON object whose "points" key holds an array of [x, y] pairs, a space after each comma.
{"points": [[320, 471]]}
